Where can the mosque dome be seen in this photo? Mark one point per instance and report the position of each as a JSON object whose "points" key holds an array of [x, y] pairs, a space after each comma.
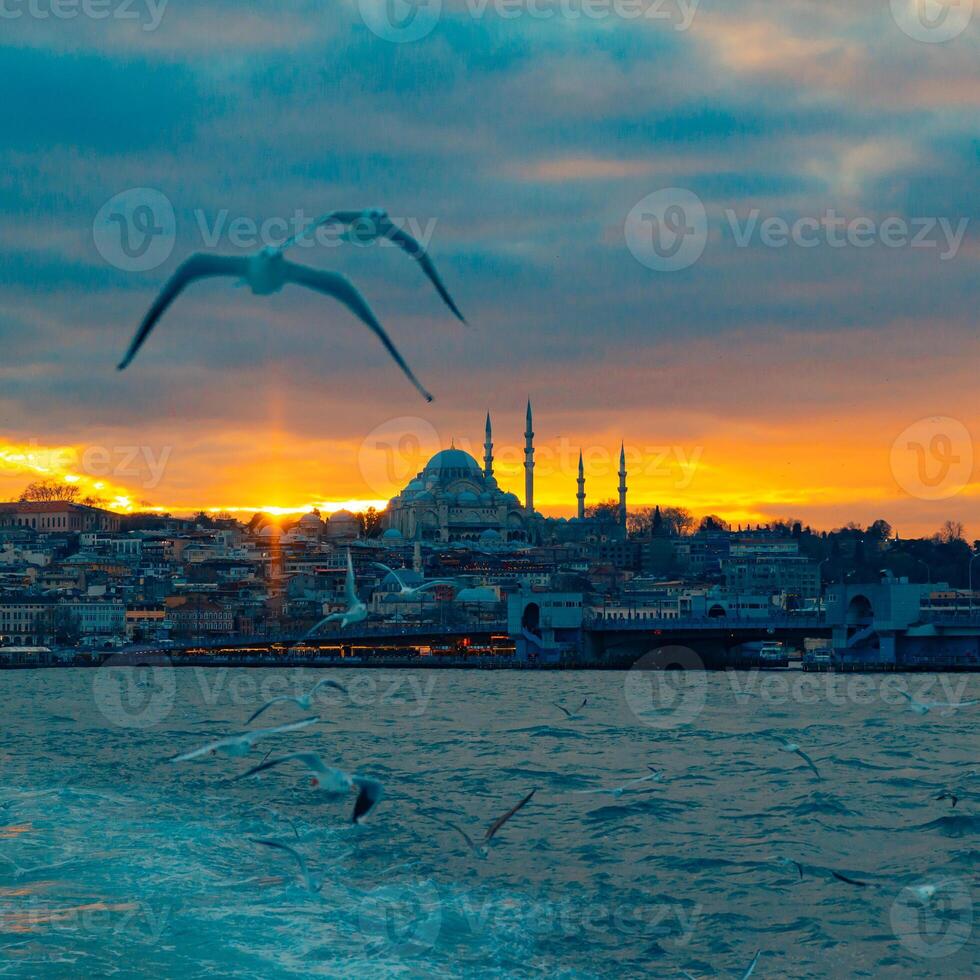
{"points": [[392, 534], [467, 497], [453, 464]]}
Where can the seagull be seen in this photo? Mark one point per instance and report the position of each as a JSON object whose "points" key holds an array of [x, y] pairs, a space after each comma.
{"points": [[924, 894], [356, 611], [572, 714], [483, 848], [948, 795], [313, 884], [745, 976], [305, 701], [374, 223], [786, 862], [924, 707], [266, 272], [333, 782], [654, 777], [407, 590], [796, 750], [239, 745]]}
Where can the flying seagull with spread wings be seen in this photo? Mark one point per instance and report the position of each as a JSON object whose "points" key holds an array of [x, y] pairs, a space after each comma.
{"points": [[924, 707], [483, 848], [356, 611], [304, 701], [796, 750], [239, 745], [333, 782], [313, 883], [572, 714], [265, 273], [408, 591], [370, 224]]}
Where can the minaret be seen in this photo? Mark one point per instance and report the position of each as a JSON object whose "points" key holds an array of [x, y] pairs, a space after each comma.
{"points": [[622, 485], [529, 461], [581, 487], [488, 451]]}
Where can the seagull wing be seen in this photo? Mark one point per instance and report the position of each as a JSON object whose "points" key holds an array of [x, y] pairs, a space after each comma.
{"points": [[310, 759], [279, 846], [332, 284], [809, 762], [429, 585], [269, 704], [254, 736], [332, 618], [326, 682], [755, 959], [369, 795], [585, 701], [341, 217], [390, 571], [462, 833], [198, 266], [414, 248], [568, 713], [350, 584], [850, 881], [204, 750], [500, 821]]}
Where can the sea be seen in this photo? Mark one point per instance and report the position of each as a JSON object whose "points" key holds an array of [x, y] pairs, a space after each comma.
{"points": [[682, 824]]}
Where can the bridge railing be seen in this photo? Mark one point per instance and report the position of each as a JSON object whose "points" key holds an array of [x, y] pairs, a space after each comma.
{"points": [[599, 621]]}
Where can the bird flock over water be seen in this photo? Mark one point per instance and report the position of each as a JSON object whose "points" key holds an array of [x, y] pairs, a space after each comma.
{"points": [[268, 271]]}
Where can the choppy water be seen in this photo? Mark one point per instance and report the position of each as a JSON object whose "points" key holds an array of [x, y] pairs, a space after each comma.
{"points": [[114, 862]]}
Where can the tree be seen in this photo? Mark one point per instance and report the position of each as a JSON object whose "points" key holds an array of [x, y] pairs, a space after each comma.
{"points": [[606, 512], [371, 523], [950, 531], [49, 490], [677, 521]]}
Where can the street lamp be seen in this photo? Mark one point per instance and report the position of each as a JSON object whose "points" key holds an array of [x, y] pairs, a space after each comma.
{"points": [[928, 569]]}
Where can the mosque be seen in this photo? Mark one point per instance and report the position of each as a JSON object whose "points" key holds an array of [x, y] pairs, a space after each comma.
{"points": [[454, 500]]}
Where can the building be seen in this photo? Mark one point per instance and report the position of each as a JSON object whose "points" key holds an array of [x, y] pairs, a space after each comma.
{"points": [[792, 576], [455, 499], [88, 617], [53, 516], [195, 617], [26, 620]]}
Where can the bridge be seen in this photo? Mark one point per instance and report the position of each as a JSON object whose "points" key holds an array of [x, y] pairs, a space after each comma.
{"points": [[895, 625]]}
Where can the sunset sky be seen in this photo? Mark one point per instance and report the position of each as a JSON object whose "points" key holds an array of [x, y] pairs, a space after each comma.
{"points": [[758, 382]]}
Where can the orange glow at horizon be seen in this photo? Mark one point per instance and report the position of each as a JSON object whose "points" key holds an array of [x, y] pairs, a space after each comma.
{"points": [[794, 474]]}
